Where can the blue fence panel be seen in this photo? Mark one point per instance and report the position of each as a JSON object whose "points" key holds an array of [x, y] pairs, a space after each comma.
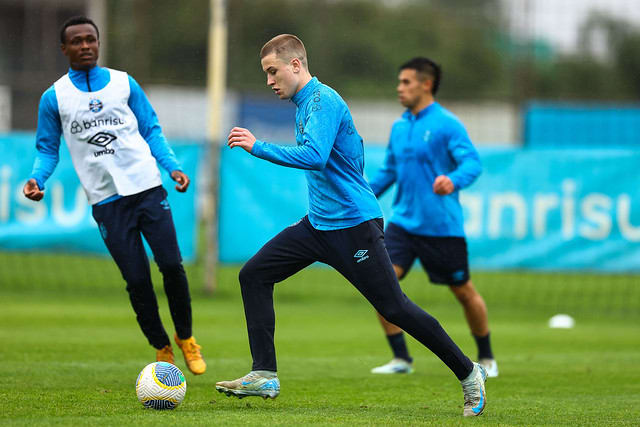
{"points": [[267, 116], [535, 209], [62, 220], [555, 210], [572, 126]]}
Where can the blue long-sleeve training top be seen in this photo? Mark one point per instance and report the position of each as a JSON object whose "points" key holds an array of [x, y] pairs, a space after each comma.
{"points": [[50, 129], [422, 147], [332, 153]]}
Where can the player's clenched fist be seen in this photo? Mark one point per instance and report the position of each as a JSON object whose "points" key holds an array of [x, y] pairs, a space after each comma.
{"points": [[443, 185], [241, 137], [32, 191], [182, 179]]}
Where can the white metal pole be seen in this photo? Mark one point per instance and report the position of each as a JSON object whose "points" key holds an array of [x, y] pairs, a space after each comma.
{"points": [[216, 86], [97, 11]]}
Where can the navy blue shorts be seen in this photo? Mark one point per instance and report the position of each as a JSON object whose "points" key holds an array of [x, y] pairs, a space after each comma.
{"points": [[445, 259]]}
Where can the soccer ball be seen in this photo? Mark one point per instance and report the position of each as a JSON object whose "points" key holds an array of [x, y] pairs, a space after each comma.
{"points": [[161, 385]]}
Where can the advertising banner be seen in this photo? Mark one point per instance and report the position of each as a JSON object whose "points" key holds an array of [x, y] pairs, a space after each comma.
{"points": [[533, 209], [62, 220]]}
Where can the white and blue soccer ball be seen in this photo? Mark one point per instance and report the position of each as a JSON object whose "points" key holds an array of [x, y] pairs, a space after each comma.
{"points": [[161, 385]]}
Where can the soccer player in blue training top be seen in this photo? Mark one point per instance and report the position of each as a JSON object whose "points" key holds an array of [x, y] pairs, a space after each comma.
{"points": [[343, 228], [115, 139], [430, 158]]}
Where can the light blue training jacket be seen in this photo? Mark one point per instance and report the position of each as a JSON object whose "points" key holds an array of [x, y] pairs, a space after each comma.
{"points": [[421, 147], [50, 128], [331, 151]]}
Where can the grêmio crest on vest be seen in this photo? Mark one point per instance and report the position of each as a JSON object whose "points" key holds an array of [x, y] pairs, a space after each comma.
{"points": [[101, 132]]}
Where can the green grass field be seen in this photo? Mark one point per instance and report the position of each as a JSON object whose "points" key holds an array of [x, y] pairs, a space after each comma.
{"points": [[71, 352]]}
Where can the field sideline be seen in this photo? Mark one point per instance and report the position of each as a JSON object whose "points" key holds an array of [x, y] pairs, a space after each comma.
{"points": [[71, 356]]}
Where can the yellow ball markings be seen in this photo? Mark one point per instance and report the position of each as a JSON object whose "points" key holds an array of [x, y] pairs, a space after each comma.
{"points": [[164, 386]]}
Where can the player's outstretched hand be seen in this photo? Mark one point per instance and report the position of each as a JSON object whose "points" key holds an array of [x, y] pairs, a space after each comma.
{"points": [[32, 191], [182, 179], [443, 185], [241, 137]]}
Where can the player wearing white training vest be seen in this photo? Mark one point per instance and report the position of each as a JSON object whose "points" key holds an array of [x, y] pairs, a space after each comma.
{"points": [[115, 139], [108, 153]]}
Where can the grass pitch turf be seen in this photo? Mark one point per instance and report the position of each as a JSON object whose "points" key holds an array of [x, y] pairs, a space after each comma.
{"points": [[70, 356]]}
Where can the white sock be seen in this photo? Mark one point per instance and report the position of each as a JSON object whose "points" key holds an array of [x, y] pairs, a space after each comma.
{"points": [[471, 375], [266, 374]]}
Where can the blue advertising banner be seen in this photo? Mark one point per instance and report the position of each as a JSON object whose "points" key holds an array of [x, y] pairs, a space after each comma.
{"points": [[534, 209], [575, 125], [62, 220], [555, 209]]}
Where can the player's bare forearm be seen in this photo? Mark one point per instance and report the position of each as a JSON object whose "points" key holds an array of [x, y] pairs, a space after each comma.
{"points": [[241, 137]]}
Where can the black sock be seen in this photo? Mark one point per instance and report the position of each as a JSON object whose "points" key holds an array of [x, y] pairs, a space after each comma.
{"points": [[484, 347], [399, 347]]}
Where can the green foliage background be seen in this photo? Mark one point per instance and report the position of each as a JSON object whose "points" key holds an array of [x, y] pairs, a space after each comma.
{"points": [[356, 46]]}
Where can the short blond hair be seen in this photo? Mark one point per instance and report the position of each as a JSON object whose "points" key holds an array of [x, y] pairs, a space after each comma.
{"points": [[286, 47]]}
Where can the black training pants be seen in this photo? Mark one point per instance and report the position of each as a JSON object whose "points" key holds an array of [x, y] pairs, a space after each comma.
{"points": [[359, 254], [122, 224]]}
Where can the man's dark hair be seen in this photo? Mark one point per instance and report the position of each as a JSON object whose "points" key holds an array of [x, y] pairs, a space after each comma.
{"points": [[76, 20], [425, 68]]}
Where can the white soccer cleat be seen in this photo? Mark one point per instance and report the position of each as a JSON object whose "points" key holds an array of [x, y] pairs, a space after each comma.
{"points": [[395, 366], [475, 397], [491, 366], [252, 384]]}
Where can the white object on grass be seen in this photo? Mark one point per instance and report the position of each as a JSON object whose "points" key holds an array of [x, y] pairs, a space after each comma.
{"points": [[562, 321]]}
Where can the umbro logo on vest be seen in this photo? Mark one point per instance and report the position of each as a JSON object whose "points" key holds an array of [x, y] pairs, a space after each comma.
{"points": [[102, 139]]}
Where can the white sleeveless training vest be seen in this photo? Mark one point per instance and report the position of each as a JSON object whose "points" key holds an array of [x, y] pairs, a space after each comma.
{"points": [[109, 154]]}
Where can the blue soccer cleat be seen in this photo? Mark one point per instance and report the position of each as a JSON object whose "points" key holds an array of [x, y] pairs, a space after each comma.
{"points": [[252, 384], [475, 397]]}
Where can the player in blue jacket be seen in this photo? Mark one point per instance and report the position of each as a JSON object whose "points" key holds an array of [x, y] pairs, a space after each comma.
{"points": [[114, 139], [343, 228], [430, 158]]}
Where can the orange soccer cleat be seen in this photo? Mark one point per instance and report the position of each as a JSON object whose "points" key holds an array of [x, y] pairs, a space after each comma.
{"points": [[192, 356], [165, 354]]}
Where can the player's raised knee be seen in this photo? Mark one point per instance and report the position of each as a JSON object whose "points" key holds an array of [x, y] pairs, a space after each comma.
{"points": [[170, 268], [247, 274]]}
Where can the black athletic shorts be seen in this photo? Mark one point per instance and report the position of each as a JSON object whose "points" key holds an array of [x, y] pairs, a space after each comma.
{"points": [[445, 259]]}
